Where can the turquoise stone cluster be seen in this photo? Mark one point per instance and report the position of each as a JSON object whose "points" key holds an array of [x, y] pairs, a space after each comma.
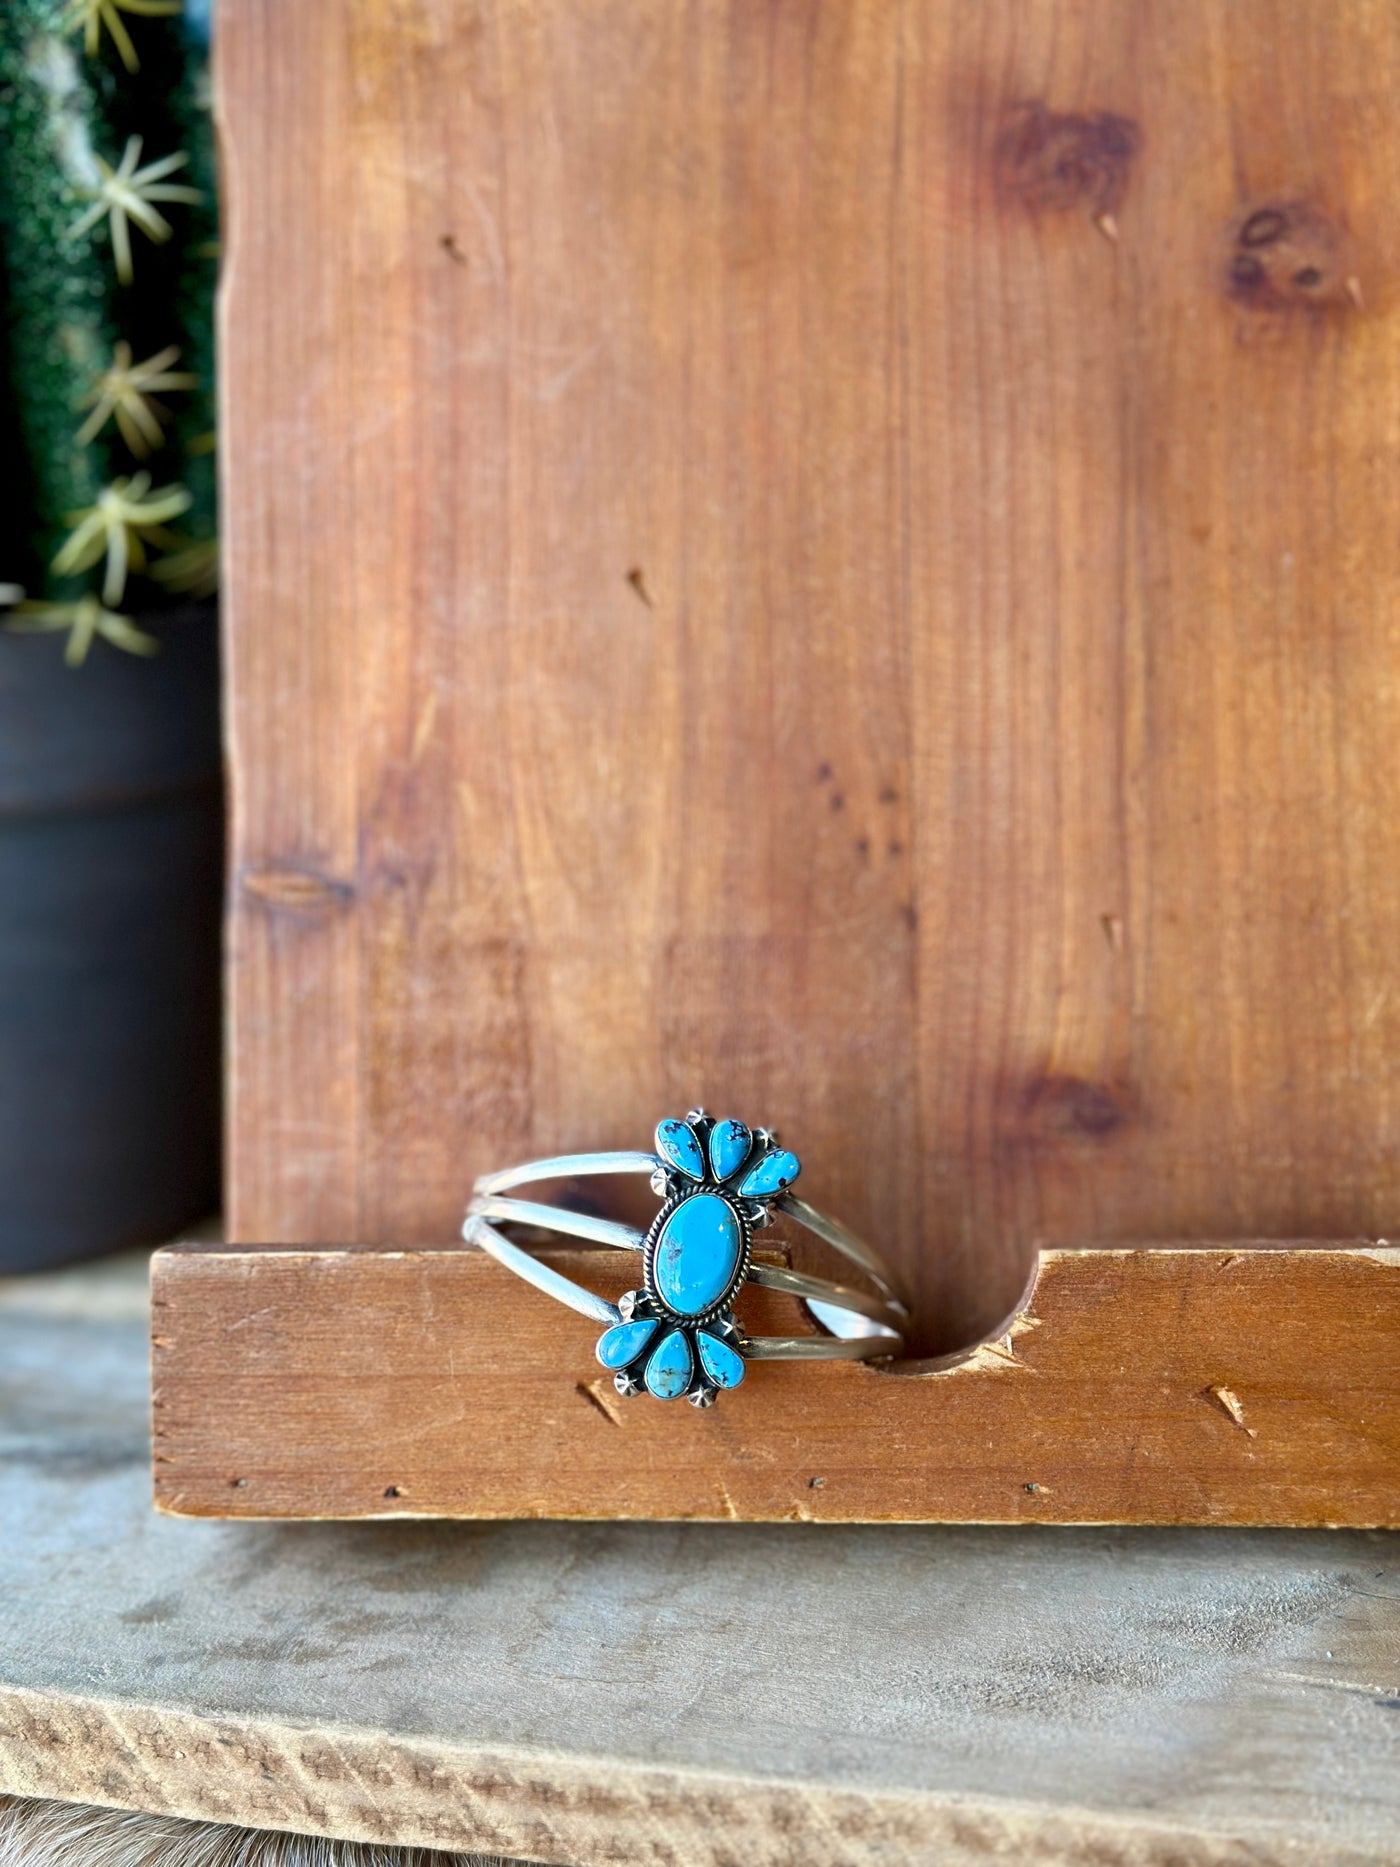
{"points": [[678, 1336]]}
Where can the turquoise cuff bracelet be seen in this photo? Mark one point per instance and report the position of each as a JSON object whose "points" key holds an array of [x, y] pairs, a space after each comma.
{"points": [[720, 1182]]}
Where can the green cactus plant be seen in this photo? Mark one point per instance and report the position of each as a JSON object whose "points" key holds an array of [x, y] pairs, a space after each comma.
{"points": [[81, 300]]}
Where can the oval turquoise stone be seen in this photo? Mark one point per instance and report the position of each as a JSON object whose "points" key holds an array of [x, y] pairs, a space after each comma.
{"points": [[676, 1142], [668, 1371], [730, 1142], [774, 1173], [624, 1342], [724, 1367], [698, 1253]]}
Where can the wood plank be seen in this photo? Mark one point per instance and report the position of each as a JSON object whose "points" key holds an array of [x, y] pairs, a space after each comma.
{"points": [[807, 557], [814, 1696], [1235, 1385]]}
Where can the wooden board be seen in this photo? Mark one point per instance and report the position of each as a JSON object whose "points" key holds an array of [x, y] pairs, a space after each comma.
{"points": [[834, 560], [791, 1696], [1234, 1385]]}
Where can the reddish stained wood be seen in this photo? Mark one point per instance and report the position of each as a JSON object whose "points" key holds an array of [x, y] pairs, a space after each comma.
{"points": [[814, 557], [1226, 1385]]}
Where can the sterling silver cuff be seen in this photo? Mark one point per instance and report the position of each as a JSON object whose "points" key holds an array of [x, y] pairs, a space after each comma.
{"points": [[720, 1182]]}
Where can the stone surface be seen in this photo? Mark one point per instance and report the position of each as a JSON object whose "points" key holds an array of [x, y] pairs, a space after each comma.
{"points": [[697, 1253], [786, 1695], [730, 1142], [669, 1370], [772, 1174], [624, 1342], [676, 1142], [718, 1359]]}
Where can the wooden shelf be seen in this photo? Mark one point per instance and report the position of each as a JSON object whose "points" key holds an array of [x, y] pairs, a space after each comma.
{"points": [[594, 1693], [1244, 1383]]}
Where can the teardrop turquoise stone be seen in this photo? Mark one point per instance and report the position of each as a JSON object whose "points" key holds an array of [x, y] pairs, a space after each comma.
{"points": [[676, 1142], [697, 1253], [624, 1342], [724, 1367], [730, 1142], [668, 1371], [773, 1174]]}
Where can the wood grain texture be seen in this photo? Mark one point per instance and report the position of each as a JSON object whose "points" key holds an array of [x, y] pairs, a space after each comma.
{"points": [[1236, 1385], [834, 560], [588, 1694]]}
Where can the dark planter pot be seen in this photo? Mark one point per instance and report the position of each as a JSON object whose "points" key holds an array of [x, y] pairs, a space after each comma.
{"points": [[111, 860]]}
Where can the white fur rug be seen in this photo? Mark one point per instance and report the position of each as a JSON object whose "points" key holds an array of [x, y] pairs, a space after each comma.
{"points": [[60, 1834]]}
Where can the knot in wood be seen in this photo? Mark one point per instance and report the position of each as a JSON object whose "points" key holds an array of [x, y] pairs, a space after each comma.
{"points": [[1055, 161], [1286, 254], [1055, 1108]]}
